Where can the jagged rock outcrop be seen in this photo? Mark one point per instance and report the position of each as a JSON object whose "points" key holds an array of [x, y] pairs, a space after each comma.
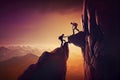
{"points": [[90, 62], [50, 66], [78, 39], [100, 51]]}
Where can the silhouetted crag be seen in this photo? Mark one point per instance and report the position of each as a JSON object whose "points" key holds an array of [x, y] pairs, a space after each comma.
{"points": [[100, 50], [50, 66], [78, 39]]}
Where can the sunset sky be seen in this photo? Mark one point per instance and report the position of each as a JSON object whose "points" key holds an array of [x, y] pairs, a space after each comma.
{"points": [[39, 23]]}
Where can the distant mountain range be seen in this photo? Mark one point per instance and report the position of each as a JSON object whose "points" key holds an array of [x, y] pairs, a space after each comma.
{"points": [[15, 60], [12, 68], [13, 51]]}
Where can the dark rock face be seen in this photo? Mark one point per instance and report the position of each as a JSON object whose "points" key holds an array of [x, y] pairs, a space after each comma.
{"points": [[50, 66], [100, 51], [77, 39]]}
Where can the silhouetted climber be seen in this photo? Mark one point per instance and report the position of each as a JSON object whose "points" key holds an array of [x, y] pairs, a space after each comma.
{"points": [[74, 27], [61, 39]]}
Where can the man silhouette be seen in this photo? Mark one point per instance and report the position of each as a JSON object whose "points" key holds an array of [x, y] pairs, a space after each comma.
{"points": [[61, 39], [74, 27]]}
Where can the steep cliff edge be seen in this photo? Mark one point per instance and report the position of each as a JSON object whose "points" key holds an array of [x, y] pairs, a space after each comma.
{"points": [[50, 66], [100, 50]]}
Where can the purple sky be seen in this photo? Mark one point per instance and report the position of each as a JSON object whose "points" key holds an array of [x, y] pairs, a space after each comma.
{"points": [[16, 17]]}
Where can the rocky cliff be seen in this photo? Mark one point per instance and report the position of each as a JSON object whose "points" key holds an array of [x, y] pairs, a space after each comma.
{"points": [[50, 66], [99, 40]]}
